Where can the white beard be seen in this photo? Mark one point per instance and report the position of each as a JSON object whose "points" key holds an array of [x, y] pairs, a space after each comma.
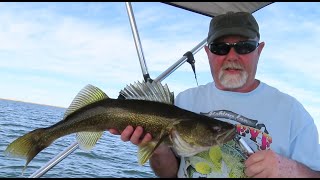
{"points": [[232, 81]]}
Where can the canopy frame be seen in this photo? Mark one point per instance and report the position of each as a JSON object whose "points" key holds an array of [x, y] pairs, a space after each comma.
{"points": [[233, 6]]}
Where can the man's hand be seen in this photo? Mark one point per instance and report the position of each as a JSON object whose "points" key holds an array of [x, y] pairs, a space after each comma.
{"points": [[267, 163], [163, 161], [264, 164], [132, 135]]}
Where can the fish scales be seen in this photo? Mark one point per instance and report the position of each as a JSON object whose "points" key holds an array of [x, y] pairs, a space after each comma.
{"points": [[92, 112]]}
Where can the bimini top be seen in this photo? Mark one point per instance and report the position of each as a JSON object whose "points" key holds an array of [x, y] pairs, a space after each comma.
{"points": [[212, 9]]}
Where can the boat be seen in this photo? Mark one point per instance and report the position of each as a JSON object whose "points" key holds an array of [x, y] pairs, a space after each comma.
{"points": [[210, 9]]}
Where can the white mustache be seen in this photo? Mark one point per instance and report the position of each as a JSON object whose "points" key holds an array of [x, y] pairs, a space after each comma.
{"points": [[231, 65]]}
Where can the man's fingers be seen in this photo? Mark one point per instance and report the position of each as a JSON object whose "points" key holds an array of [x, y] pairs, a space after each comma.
{"points": [[254, 170], [254, 158], [126, 134], [146, 138], [133, 135], [114, 131], [135, 138]]}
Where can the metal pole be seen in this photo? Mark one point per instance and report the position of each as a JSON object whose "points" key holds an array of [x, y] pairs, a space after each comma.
{"points": [[144, 69], [137, 42], [54, 161], [180, 61]]}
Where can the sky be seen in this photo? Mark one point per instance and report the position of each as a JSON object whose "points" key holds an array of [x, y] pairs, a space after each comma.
{"points": [[50, 51]]}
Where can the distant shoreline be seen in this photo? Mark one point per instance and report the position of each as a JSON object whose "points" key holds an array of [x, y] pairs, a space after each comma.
{"points": [[32, 103]]}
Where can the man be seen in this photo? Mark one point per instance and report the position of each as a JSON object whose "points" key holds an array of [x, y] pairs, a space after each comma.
{"points": [[233, 51]]}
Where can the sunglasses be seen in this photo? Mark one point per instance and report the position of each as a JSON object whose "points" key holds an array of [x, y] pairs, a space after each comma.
{"points": [[242, 47]]}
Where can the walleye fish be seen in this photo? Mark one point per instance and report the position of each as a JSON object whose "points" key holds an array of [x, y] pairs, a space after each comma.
{"points": [[149, 105]]}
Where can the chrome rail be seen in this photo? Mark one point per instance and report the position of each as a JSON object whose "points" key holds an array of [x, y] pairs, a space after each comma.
{"points": [[144, 69]]}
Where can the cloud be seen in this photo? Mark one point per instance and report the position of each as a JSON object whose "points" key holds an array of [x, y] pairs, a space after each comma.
{"points": [[49, 52], [290, 59], [69, 45], [292, 39]]}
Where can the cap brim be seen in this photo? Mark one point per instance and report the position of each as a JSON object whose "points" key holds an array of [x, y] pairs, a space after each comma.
{"points": [[232, 31]]}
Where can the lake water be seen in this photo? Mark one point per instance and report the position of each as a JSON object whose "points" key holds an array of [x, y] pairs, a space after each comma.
{"points": [[110, 158]]}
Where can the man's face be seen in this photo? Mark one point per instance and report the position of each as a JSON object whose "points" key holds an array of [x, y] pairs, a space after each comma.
{"points": [[233, 71]]}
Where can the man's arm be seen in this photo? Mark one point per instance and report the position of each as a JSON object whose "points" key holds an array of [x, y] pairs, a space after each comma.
{"points": [[267, 163], [163, 161]]}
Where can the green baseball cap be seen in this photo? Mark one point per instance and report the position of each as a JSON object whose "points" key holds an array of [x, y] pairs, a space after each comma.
{"points": [[233, 23]]}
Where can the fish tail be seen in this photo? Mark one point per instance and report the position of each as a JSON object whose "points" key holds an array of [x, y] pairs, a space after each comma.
{"points": [[28, 145]]}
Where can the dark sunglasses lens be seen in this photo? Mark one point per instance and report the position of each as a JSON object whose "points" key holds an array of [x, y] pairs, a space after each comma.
{"points": [[219, 48], [246, 47]]}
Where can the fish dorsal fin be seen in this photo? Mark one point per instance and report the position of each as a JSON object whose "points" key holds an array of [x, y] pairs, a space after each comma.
{"points": [[151, 91], [86, 96], [87, 140]]}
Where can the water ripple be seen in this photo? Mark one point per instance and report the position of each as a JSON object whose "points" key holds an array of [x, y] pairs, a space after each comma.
{"points": [[110, 157]]}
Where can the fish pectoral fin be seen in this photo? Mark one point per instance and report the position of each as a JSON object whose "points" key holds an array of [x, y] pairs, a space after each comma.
{"points": [[87, 140], [147, 149]]}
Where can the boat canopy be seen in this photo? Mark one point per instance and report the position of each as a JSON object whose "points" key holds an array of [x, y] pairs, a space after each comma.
{"points": [[212, 9]]}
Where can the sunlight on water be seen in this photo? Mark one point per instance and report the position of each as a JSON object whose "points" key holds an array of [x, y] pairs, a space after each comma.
{"points": [[109, 158]]}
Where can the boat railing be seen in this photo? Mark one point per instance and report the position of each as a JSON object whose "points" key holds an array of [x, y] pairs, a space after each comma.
{"points": [[41, 171]]}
